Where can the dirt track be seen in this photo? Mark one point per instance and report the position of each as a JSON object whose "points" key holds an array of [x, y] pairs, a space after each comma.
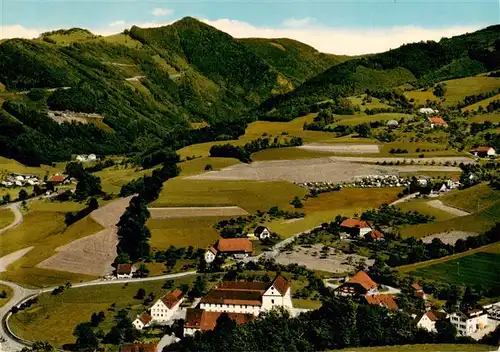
{"points": [[449, 237], [187, 212], [10, 258], [439, 205], [342, 148], [330, 169]]}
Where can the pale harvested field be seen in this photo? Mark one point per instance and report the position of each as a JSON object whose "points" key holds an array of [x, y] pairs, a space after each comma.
{"points": [[449, 237], [10, 258], [439, 205], [343, 148], [109, 214], [335, 262], [94, 254], [189, 212], [91, 255], [330, 169]]}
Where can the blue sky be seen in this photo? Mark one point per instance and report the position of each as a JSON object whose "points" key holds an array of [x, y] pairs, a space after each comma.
{"points": [[383, 23]]}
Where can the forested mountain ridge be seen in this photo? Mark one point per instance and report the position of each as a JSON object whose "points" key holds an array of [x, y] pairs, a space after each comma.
{"points": [[148, 84], [420, 64]]}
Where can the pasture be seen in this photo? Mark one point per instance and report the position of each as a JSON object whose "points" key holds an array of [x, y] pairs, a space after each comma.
{"points": [[374, 104], [476, 269], [198, 165], [114, 177], [421, 206], [472, 199], [6, 217], [483, 103], [458, 89], [54, 317], [419, 348], [492, 117], [8, 291]]}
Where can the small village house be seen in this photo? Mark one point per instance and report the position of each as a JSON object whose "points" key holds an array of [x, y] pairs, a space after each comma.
{"points": [[262, 232], [419, 291], [164, 309], [468, 322], [359, 285], [483, 152], [374, 235], [382, 300], [239, 248], [142, 321], [355, 227], [437, 122], [427, 111], [56, 179], [248, 297], [427, 320], [139, 347], [202, 320], [125, 271], [392, 124]]}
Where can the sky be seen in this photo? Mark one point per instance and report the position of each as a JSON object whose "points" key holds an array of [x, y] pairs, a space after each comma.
{"points": [[348, 27]]}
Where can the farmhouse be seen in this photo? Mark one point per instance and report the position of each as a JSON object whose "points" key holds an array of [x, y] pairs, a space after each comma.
{"points": [[467, 322], [427, 111], [248, 297], [483, 152], [56, 179], [374, 235], [86, 158], [165, 307], [359, 285], [202, 320], [142, 321], [125, 271], [239, 248], [386, 301], [355, 227], [437, 122], [419, 291], [262, 232], [427, 320]]}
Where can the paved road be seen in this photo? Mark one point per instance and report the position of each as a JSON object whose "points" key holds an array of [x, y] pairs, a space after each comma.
{"points": [[18, 217]]}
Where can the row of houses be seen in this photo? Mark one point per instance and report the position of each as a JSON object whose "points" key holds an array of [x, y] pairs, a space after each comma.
{"points": [[163, 310], [24, 180]]}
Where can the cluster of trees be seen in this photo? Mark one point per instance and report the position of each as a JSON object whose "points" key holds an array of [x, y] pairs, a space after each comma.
{"points": [[88, 185], [158, 156], [324, 118], [440, 90], [244, 153], [388, 215], [473, 174], [474, 98], [173, 254], [398, 151]]}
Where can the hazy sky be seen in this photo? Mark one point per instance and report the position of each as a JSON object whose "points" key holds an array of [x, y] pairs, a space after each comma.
{"points": [[341, 27]]}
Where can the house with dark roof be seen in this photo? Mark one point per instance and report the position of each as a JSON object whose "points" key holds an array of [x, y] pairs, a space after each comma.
{"points": [[359, 285], [262, 232], [483, 151], [427, 320], [238, 248], [164, 309], [125, 271], [142, 321], [202, 320], [355, 227], [248, 297], [383, 300]]}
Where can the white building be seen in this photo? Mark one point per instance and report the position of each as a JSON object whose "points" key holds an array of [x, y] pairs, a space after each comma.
{"points": [[428, 320], [262, 232], [355, 227], [427, 111], [142, 321], [470, 321], [165, 307], [125, 271], [210, 254], [238, 248], [483, 151], [242, 300]]}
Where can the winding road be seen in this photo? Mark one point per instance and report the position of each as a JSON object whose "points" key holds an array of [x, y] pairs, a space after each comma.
{"points": [[18, 217]]}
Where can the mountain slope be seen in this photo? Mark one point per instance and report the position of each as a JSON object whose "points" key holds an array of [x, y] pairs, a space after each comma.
{"points": [[419, 63]]}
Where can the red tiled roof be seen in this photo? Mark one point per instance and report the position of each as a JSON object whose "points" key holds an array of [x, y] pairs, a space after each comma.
{"points": [[354, 223], [244, 286], [416, 287], [145, 318], [239, 297], [481, 149], [281, 284], [124, 269], [376, 234], [382, 300], [363, 279], [139, 347], [235, 245], [203, 320], [57, 178], [438, 121], [172, 298]]}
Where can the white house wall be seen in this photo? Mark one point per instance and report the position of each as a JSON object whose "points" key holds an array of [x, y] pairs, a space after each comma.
{"points": [[231, 308]]}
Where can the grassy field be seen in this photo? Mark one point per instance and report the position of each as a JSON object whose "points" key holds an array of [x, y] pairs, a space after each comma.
{"points": [[6, 217], [197, 166], [484, 103], [492, 117], [45, 231], [374, 104], [419, 348], [363, 118], [249, 195], [114, 177], [472, 199], [11, 166], [9, 292], [184, 232], [457, 89], [441, 174], [480, 268], [420, 96], [306, 303], [53, 318]]}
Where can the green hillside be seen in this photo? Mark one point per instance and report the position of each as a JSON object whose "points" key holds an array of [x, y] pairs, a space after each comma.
{"points": [[420, 64]]}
